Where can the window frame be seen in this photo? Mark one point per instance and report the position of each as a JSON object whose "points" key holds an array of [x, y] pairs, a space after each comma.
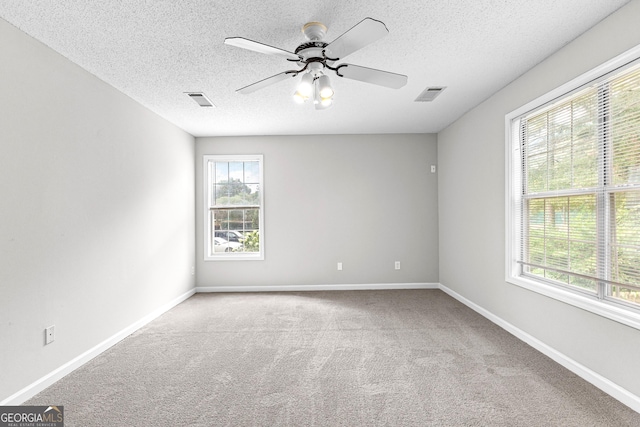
{"points": [[207, 212], [616, 311]]}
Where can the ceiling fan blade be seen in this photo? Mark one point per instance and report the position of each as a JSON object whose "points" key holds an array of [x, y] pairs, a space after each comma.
{"points": [[243, 43], [371, 75], [363, 33], [266, 82]]}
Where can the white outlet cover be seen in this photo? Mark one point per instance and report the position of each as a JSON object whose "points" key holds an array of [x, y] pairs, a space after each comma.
{"points": [[49, 335]]}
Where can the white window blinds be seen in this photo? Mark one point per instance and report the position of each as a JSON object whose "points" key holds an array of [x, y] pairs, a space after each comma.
{"points": [[579, 208]]}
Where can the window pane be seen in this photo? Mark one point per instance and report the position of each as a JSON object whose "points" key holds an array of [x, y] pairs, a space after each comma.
{"points": [[221, 172], [253, 195], [557, 276], [536, 218], [556, 218], [585, 141], [236, 220], [242, 220], [220, 220], [626, 294], [583, 242], [585, 164], [233, 193], [583, 258], [221, 192], [537, 173], [625, 238], [251, 172], [561, 146], [536, 131], [236, 171], [561, 159], [583, 218], [536, 251], [251, 243], [230, 188], [562, 235], [557, 254], [536, 149], [625, 128], [252, 219], [580, 282], [577, 189]]}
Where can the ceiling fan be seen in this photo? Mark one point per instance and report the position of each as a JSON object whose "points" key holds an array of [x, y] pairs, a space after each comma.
{"points": [[317, 57]]}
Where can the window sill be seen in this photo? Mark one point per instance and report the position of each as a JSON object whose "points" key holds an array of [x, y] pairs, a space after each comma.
{"points": [[235, 257], [609, 310]]}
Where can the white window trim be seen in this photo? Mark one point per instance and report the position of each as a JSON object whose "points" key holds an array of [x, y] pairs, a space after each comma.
{"points": [[231, 256], [604, 308]]}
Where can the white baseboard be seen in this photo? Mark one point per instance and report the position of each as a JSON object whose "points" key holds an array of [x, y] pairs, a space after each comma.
{"points": [[614, 390], [44, 382], [609, 387], [296, 288], [39, 385]]}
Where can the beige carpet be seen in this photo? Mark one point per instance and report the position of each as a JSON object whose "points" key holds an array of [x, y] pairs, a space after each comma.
{"points": [[345, 358]]}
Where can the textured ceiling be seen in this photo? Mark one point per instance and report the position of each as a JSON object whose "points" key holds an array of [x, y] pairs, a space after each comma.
{"points": [[156, 50]]}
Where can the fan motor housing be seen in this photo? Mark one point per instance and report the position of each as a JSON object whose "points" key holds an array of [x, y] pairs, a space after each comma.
{"points": [[311, 52], [309, 45]]}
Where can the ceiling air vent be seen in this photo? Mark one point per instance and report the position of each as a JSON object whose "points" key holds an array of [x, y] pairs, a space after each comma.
{"points": [[429, 94], [201, 99]]}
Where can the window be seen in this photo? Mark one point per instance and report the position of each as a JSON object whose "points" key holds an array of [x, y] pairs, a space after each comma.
{"points": [[233, 207], [573, 192]]}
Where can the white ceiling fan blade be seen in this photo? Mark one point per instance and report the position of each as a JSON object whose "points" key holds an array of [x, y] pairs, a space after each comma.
{"points": [[371, 75], [363, 33], [266, 82], [243, 43]]}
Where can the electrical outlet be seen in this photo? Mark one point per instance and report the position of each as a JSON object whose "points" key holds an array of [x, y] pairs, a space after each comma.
{"points": [[193, 270], [339, 266], [433, 168], [397, 265], [49, 334]]}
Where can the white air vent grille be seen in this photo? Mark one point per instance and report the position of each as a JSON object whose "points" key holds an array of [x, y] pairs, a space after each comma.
{"points": [[201, 99], [429, 94]]}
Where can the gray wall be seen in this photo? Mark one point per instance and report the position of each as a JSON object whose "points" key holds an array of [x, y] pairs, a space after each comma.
{"points": [[97, 207], [363, 200], [471, 155]]}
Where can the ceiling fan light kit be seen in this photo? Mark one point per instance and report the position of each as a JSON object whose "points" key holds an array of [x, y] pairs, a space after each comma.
{"points": [[305, 88], [314, 84], [317, 57], [324, 86]]}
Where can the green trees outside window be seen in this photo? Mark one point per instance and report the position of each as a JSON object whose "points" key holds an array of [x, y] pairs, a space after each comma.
{"points": [[581, 190]]}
